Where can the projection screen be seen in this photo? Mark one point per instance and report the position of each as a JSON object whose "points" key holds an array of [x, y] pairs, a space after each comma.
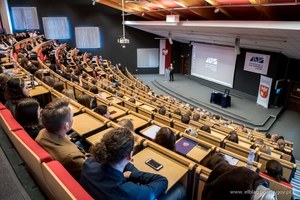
{"points": [[214, 63]]}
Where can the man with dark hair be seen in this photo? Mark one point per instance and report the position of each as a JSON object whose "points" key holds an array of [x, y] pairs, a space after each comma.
{"points": [[162, 110], [57, 119], [196, 117], [102, 110], [185, 119]]}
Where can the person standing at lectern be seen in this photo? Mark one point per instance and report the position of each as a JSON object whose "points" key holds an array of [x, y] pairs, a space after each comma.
{"points": [[171, 68]]}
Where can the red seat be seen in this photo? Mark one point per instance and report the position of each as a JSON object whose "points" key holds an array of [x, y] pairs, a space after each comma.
{"points": [[61, 183], [8, 122]]}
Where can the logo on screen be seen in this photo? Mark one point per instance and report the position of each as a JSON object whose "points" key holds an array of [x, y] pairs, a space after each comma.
{"points": [[263, 91], [212, 61], [257, 59]]}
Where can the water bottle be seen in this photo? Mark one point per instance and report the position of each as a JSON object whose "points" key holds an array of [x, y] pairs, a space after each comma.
{"points": [[250, 160], [32, 81]]}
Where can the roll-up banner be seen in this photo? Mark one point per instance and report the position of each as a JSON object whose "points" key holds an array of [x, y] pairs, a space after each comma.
{"points": [[264, 90]]}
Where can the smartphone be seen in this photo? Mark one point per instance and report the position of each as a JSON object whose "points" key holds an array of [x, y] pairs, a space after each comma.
{"points": [[155, 165]]}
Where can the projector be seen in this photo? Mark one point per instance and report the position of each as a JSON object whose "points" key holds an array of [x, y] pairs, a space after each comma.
{"points": [[123, 40]]}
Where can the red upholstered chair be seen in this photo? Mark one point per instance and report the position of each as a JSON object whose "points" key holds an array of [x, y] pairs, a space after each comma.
{"points": [[8, 122], [33, 155], [61, 183]]}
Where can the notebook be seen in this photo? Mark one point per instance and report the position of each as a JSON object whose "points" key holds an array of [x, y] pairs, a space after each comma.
{"points": [[151, 132], [185, 145]]}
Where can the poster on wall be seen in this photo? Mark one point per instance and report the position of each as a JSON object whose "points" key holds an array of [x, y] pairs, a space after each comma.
{"points": [[257, 63], [264, 90]]}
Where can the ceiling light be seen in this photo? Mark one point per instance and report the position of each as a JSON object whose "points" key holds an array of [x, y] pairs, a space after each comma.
{"points": [[180, 3]]}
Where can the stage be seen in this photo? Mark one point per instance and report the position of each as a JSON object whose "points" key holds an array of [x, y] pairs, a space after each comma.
{"points": [[198, 94]]}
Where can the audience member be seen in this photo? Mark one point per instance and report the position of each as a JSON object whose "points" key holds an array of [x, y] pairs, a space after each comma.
{"points": [[132, 100], [49, 81], [102, 110], [196, 117], [69, 93], [233, 137], [28, 115], [84, 100], [57, 119], [126, 123], [16, 89], [185, 119], [268, 135], [205, 128], [275, 170], [162, 110], [230, 182], [166, 138], [59, 86], [3, 80], [191, 131], [177, 111], [110, 175]]}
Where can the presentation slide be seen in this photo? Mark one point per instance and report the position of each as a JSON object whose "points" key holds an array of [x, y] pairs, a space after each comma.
{"points": [[213, 63]]}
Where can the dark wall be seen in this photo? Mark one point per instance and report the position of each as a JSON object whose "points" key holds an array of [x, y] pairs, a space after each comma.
{"points": [[248, 82], [109, 20]]}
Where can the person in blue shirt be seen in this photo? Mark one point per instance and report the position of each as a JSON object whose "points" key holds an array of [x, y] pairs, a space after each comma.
{"points": [[108, 174]]}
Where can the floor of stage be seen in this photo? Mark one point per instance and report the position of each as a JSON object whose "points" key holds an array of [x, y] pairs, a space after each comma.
{"points": [[274, 120]]}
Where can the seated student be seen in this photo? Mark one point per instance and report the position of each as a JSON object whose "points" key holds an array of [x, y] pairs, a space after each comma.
{"points": [[84, 100], [233, 137], [274, 169], [196, 117], [16, 89], [166, 138], [108, 174], [102, 110], [132, 100], [3, 80], [185, 119], [162, 110], [230, 182], [69, 93], [281, 147], [177, 112], [205, 128], [28, 115], [59, 86], [191, 131], [57, 119], [126, 123]]}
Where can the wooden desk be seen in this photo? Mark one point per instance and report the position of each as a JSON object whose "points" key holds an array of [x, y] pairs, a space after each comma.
{"points": [[114, 100], [219, 135], [150, 131], [137, 103], [137, 122], [74, 109], [38, 90], [197, 153], [172, 170], [85, 123], [94, 139], [150, 108], [104, 94], [117, 112], [244, 144]]}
